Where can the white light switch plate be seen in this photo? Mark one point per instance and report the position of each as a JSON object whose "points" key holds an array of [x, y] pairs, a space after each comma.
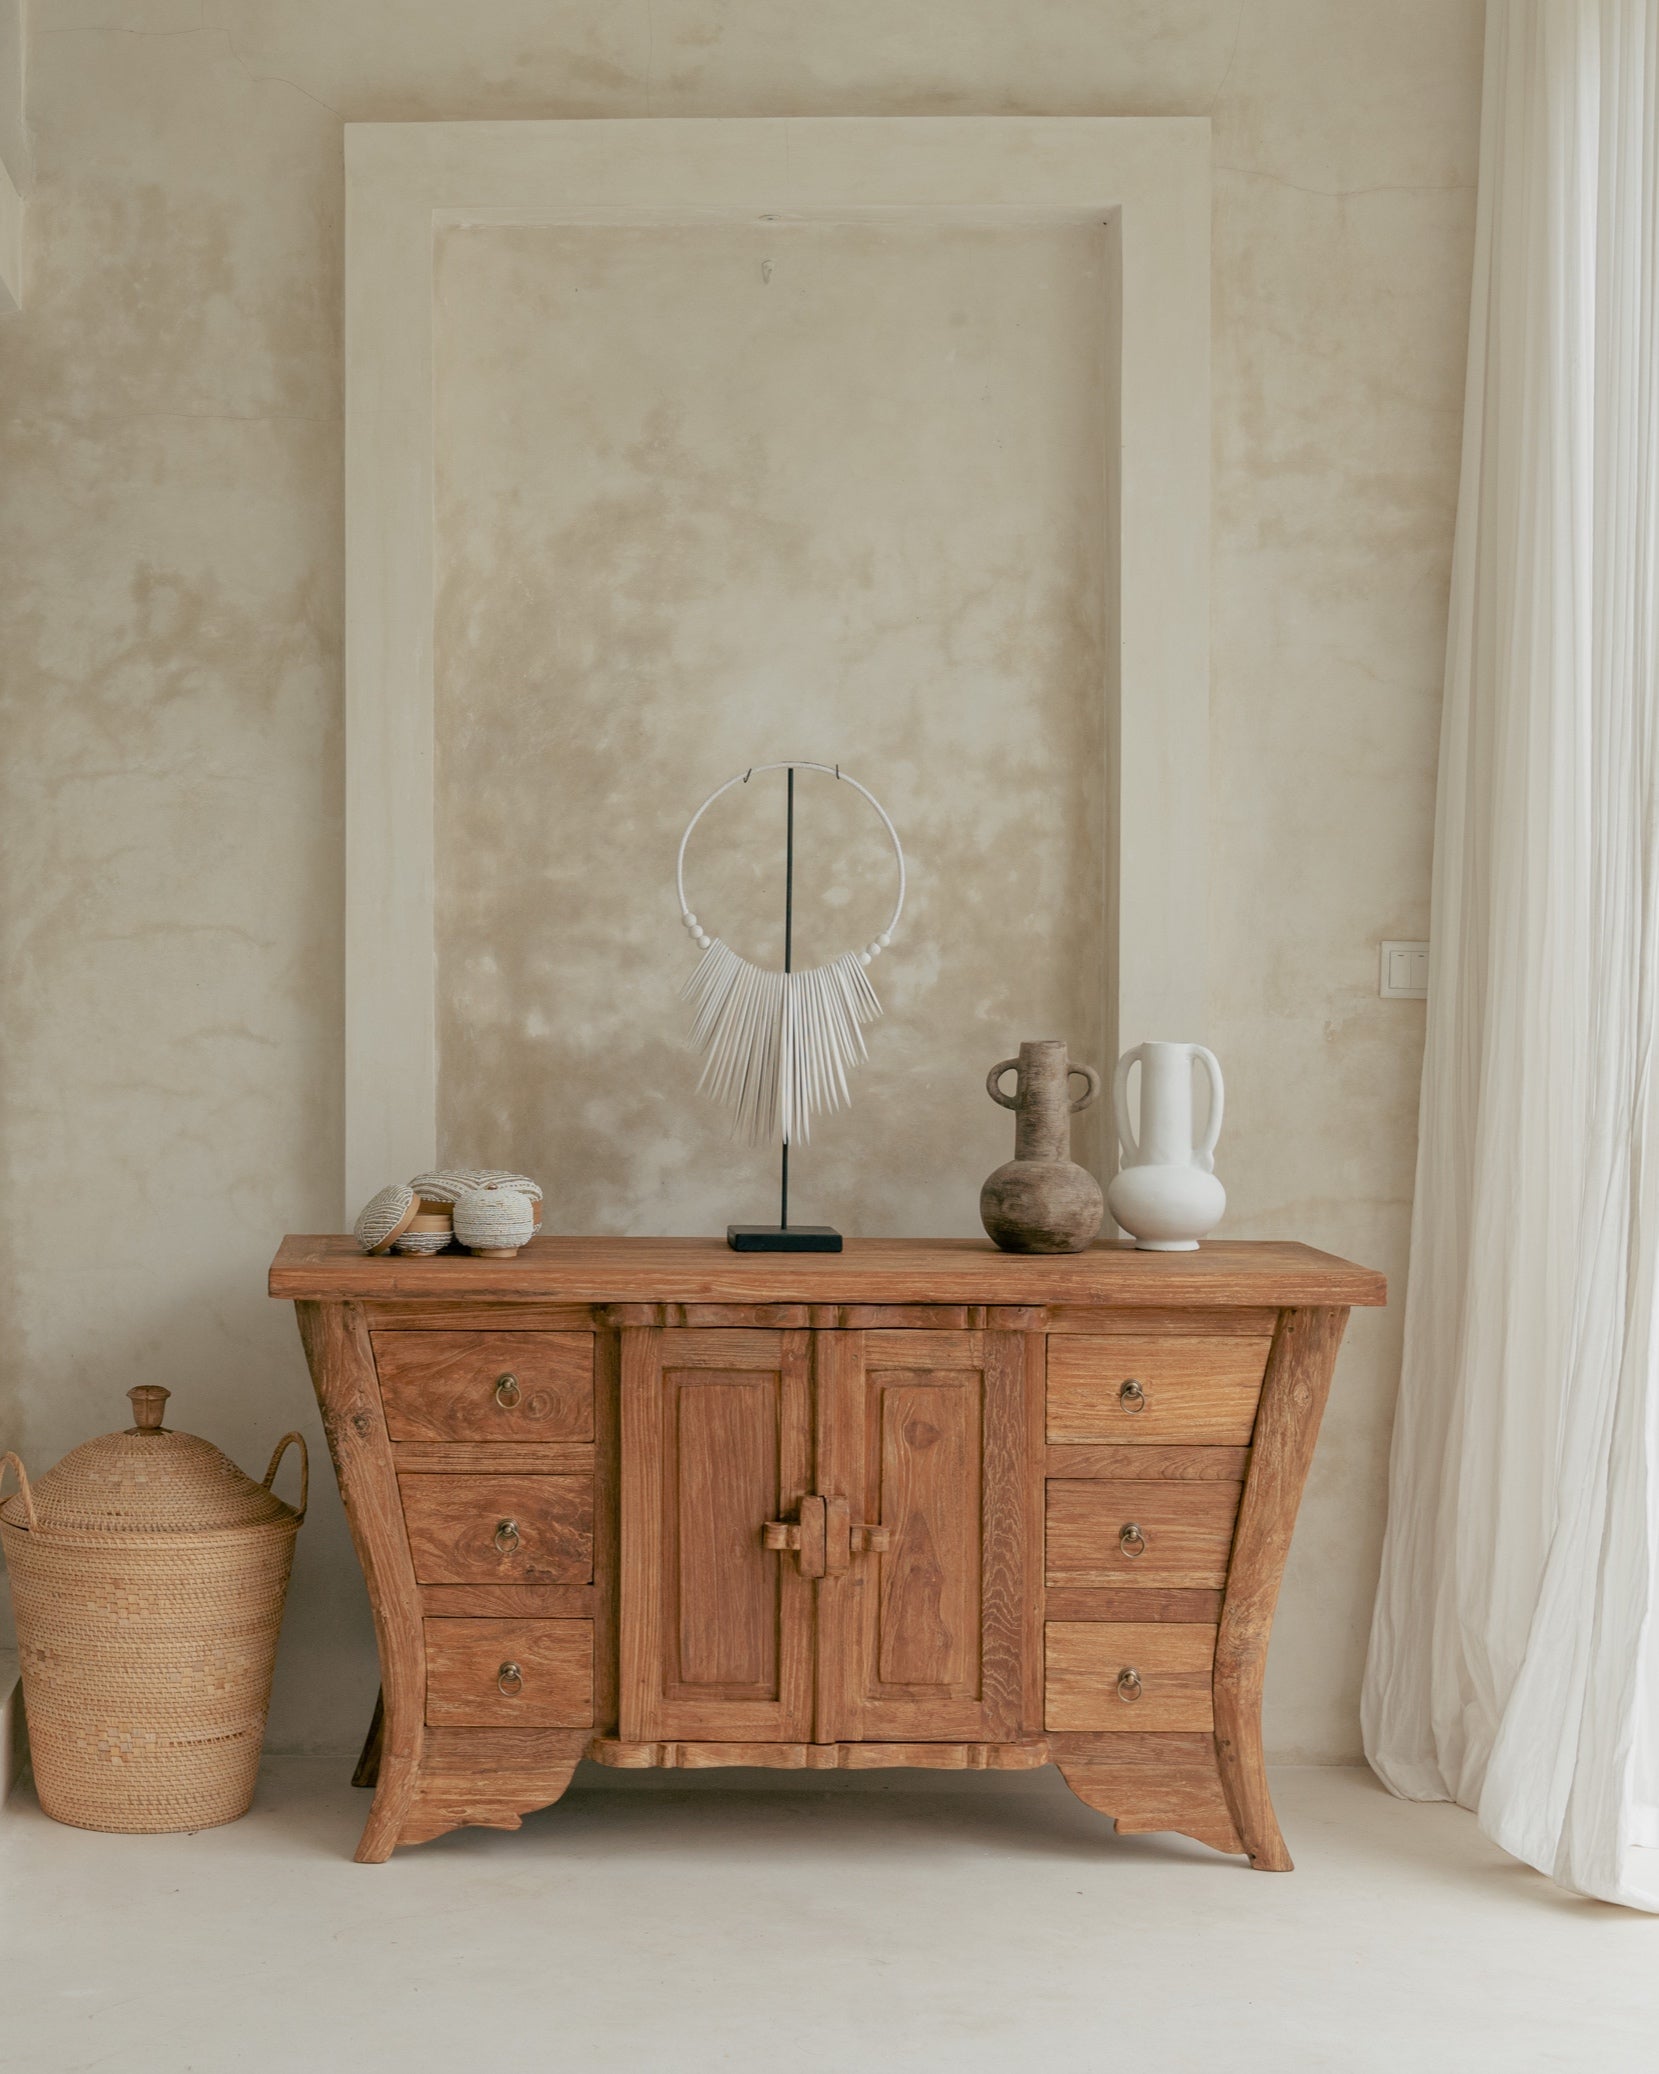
{"points": [[1404, 974]]}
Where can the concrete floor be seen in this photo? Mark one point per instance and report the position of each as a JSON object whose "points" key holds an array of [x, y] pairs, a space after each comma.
{"points": [[892, 1932]]}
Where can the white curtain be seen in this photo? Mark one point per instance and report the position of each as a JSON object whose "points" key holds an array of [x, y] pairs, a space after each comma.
{"points": [[1514, 1661]]}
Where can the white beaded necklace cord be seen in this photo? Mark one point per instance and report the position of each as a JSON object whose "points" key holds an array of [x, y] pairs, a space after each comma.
{"points": [[777, 1045]]}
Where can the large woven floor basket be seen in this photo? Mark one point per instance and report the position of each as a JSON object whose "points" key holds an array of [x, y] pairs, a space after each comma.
{"points": [[148, 1577]]}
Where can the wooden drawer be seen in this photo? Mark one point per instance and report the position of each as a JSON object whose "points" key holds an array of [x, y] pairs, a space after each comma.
{"points": [[1127, 1675], [486, 1385], [499, 1529], [1131, 1391], [469, 1683], [1182, 1533]]}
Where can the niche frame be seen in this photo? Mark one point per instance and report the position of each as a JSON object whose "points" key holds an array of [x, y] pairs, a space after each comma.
{"points": [[1145, 179]]}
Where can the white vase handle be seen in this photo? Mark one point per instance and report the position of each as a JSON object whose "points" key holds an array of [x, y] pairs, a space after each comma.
{"points": [[1204, 1156], [1120, 1104]]}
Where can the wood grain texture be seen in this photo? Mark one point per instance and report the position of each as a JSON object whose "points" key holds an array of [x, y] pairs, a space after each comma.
{"points": [[476, 1458], [1034, 1358], [1257, 1273], [1151, 1782], [642, 1472], [838, 1447], [897, 1317], [974, 1427], [1136, 1321], [724, 1451], [496, 1753], [927, 1449], [512, 1601], [443, 1385], [1023, 1756], [1151, 1464], [717, 1629], [490, 1778], [464, 1661], [1297, 1384], [1192, 1392], [927, 1435], [455, 1528], [1107, 1602], [952, 1757], [1085, 1659], [1008, 1493], [607, 1527], [337, 1350], [462, 1315], [1184, 1533], [782, 1316]]}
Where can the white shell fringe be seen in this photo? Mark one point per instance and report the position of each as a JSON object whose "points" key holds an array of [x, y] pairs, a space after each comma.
{"points": [[777, 1045]]}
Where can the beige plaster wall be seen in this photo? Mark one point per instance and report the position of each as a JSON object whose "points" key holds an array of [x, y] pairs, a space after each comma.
{"points": [[170, 840], [712, 496], [13, 138]]}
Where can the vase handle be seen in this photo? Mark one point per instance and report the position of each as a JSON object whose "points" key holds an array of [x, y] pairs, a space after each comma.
{"points": [[991, 1088], [1091, 1091], [1204, 1155], [1120, 1105]]}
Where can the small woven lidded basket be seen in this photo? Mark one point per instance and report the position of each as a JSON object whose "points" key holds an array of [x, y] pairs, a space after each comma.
{"points": [[148, 1579]]}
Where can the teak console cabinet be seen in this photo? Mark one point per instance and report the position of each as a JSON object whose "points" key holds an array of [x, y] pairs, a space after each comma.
{"points": [[918, 1503]]}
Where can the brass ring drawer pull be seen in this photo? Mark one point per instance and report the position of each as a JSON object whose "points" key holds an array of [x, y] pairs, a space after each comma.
{"points": [[1129, 1684], [1132, 1541], [506, 1536], [1131, 1396], [507, 1391], [510, 1679]]}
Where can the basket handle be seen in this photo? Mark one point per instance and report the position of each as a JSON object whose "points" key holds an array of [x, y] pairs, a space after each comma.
{"points": [[28, 1496], [288, 1440]]}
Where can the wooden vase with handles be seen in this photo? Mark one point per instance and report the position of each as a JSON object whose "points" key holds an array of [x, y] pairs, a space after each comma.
{"points": [[1041, 1201]]}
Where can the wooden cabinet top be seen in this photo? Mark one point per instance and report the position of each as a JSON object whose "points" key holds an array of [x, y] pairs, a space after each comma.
{"points": [[1270, 1273]]}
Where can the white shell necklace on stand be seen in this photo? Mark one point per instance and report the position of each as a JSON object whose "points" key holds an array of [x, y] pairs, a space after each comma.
{"points": [[777, 1046]]}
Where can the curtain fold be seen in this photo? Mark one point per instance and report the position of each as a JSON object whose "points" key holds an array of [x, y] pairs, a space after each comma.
{"points": [[1514, 1661]]}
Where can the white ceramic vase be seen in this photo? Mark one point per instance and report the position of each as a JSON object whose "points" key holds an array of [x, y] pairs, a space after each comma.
{"points": [[1166, 1193]]}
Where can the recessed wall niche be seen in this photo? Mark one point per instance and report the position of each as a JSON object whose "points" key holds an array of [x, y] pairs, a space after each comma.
{"points": [[619, 400], [715, 493]]}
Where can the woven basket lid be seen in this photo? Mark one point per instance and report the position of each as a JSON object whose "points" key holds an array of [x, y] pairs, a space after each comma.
{"points": [[449, 1184], [147, 1480]]}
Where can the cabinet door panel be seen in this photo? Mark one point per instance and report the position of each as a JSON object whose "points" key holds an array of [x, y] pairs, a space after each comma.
{"points": [[723, 1445], [716, 1629], [929, 1436], [924, 1462]]}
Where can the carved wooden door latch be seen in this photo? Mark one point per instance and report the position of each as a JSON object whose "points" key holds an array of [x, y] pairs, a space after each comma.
{"points": [[824, 1537]]}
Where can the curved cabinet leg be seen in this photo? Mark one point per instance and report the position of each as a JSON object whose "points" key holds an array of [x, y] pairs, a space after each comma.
{"points": [[1153, 1783], [394, 1796], [489, 1778], [1294, 1390], [336, 1341]]}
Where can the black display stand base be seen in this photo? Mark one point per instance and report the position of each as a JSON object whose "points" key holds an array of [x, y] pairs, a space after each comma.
{"points": [[783, 1238]]}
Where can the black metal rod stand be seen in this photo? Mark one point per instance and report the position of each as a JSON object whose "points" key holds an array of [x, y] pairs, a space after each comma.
{"points": [[788, 949], [803, 1238]]}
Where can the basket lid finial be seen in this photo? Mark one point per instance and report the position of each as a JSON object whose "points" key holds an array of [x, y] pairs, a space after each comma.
{"points": [[149, 1401]]}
